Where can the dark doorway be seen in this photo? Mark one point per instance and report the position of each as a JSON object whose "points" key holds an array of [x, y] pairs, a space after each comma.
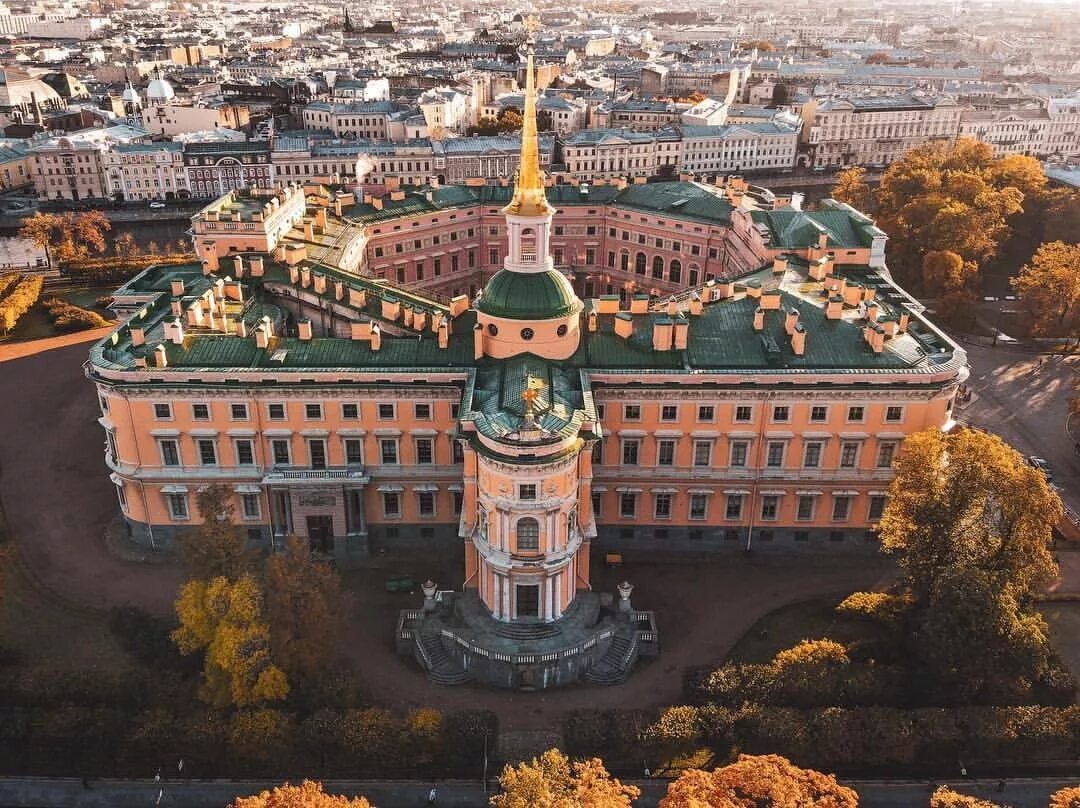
{"points": [[320, 530], [528, 600]]}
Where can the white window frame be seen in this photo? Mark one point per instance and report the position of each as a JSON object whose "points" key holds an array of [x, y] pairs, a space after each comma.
{"points": [[660, 443], [727, 507], [623, 443], [168, 404], [209, 411], [199, 451], [247, 411], [862, 416], [735, 414], [318, 417], [820, 446], [846, 498], [813, 508], [745, 446], [397, 498], [858, 451], [657, 499], [775, 500], [704, 498], [236, 450], [899, 420], [622, 500], [246, 498], [393, 410], [382, 452], [707, 445], [626, 414], [434, 504], [171, 499], [664, 420], [416, 449], [284, 411]]}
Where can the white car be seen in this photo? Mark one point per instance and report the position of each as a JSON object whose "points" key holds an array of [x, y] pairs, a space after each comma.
{"points": [[157, 205]]}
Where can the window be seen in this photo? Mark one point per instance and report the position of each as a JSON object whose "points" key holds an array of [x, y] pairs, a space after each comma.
{"points": [[276, 412], [200, 412], [669, 412], [350, 412], [245, 454], [238, 412], [743, 413], [781, 414], [121, 495], [894, 414], [770, 505], [527, 491], [632, 412], [391, 504], [170, 453], [849, 454], [598, 453], [313, 412], [207, 451], [422, 412], [425, 503], [702, 453], [805, 509], [855, 414], [457, 452], [841, 506], [458, 498], [665, 453], [734, 506], [528, 534], [662, 506], [819, 414], [628, 505], [812, 455], [425, 451], [706, 412], [178, 507], [455, 408], [250, 506], [280, 450], [163, 412], [354, 451], [885, 454], [774, 457], [877, 507], [386, 412], [597, 504], [630, 452], [388, 451], [739, 451], [698, 506]]}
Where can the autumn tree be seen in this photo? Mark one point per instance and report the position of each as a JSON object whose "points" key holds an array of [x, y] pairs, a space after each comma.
{"points": [[554, 781], [226, 620], [804, 671], [951, 279], [218, 546], [125, 247], [1050, 289], [851, 188], [509, 121], [68, 237], [1066, 798], [765, 781], [969, 523], [945, 797], [308, 794], [303, 601], [40, 229]]}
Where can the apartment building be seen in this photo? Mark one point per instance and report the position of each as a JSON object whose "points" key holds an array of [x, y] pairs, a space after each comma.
{"points": [[739, 148], [145, 171]]}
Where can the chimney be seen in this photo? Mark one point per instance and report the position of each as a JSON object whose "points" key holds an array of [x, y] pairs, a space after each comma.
{"points": [[724, 290], [268, 324], [320, 284], [359, 330], [407, 316], [753, 289], [262, 338], [779, 264], [459, 304], [672, 307], [696, 306], [376, 203], [357, 298], [834, 284], [160, 358], [872, 311], [419, 320], [195, 313], [210, 257], [309, 231], [177, 287], [305, 277], [662, 333], [303, 328], [823, 241], [295, 253], [877, 338], [218, 288], [241, 327], [639, 304], [234, 291], [339, 290], [852, 295], [904, 319], [138, 335], [817, 269], [294, 274], [320, 219], [890, 327], [376, 337], [391, 309], [593, 321], [624, 324], [798, 339], [682, 334], [256, 264], [337, 207], [791, 321], [175, 308], [397, 196], [238, 263], [834, 308], [759, 319], [207, 270], [478, 341], [770, 300], [444, 335]]}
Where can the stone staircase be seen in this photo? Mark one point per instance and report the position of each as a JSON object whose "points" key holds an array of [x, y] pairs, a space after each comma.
{"points": [[441, 669], [524, 632], [614, 666]]}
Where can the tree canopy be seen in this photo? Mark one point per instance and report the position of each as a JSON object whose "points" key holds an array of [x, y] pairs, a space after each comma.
{"points": [[308, 794], [554, 781], [218, 546], [1050, 289], [764, 781], [68, 237], [945, 797], [1066, 798], [851, 188]]}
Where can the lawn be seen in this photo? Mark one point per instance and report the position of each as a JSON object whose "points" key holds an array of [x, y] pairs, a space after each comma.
{"points": [[789, 625]]}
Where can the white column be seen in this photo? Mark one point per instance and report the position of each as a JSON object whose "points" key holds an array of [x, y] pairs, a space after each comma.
{"points": [[505, 580], [550, 599]]}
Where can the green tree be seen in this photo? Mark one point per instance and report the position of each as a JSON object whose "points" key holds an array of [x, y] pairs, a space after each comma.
{"points": [[554, 781], [308, 794], [225, 619], [218, 546], [766, 781], [1050, 289], [851, 188]]}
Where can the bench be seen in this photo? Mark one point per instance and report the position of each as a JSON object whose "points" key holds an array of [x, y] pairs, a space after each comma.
{"points": [[613, 559]]}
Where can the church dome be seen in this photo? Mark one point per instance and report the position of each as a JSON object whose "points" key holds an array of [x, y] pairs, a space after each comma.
{"points": [[130, 95], [160, 90], [528, 296]]}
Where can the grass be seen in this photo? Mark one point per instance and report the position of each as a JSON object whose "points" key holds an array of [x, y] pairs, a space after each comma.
{"points": [[789, 625]]}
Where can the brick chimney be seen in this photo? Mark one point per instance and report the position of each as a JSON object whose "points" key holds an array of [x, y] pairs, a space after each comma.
{"points": [[759, 319], [303, 328], [262, 337], [161, 359], [696, 306], [662, 333], [798, 340], [593, 321], [834, 307], [791, 321], [624, 324], [444, 335], [176, 286], [478, 341], [305, 277], [256, 263], [376, 337], [682, 334]]}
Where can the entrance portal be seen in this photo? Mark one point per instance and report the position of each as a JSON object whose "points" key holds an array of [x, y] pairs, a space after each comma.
{"points": [[528, 600], [320, 530]]}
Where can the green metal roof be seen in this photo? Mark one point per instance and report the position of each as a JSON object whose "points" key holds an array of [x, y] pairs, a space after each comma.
{"points": [[528, 296]]}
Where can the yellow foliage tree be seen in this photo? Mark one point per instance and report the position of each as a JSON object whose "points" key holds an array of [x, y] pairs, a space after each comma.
{"points": [[766, 781], [851, 188], [225, 620], [945, 797], [1066, 798], [553, 781], [217, 547], [1050, 289], [66, 236], [308, 794]]}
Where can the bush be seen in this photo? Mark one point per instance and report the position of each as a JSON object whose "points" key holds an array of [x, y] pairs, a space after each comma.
{"points": [[1056, 685], [69, 317], [18, 299], [147, 639], [261, 740]]}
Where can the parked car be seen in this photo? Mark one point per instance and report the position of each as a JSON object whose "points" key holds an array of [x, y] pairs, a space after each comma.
{"points": [[1042, 465], [157, 205]]}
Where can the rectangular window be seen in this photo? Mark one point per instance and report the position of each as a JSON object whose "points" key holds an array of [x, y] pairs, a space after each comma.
{"points": [[313, 412], [665, 453], [527, 491], [280, 449], [770, 505], [238, 412], [207, 451], [250, 506], [894, 414], [849, 454], [662, 506], [628, 505], [698, 506], [245, 454], [781, 414], [422, 412], [706, 413], [630, 452], [597, 504], [425, 502], [388, 451], [739, 451], [317, 453], [276, 412], [877, 508], [391, 504], [734, 506], [425, 451], [386, 412], [354, 451], [200, 412], [743, 413], [458, 498], [840, 508], [819, 414], [812, 455], [170, 453], [632, 412], [178, 507], [805, 510], [350, 412], [598, 453], [669, 412], [885, 454], [457, 452], [702, 453], [163, 412], [855, 414], [775, 454]]}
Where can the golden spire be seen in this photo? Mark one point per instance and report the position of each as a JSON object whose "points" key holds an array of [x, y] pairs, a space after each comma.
{"points": [[529, 198]]}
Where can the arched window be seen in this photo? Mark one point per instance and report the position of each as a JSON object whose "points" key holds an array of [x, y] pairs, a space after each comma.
{"points": [[675, 271], [528, 245], [624, 261], [639, 264], [528, 534], [658, 267]]}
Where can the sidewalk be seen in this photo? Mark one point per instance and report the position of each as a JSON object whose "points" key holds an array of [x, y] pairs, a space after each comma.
{"points": [[18, 350]]}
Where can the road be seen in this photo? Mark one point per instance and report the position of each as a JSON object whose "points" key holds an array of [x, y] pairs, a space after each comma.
{"points": [[70, 793]]}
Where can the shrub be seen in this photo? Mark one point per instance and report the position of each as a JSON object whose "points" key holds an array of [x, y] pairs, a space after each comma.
{"points": [[261, 738], [69, 317], [147, 639], [1056, 685], [375, 737], [879, 607], [18, 299]]}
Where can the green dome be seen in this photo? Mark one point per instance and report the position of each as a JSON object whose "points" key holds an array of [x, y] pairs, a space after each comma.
{"points": [[528, 296]]}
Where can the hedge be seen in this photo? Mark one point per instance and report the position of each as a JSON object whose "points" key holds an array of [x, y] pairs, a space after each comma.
{"points": [[69, 317], [18, 300]]}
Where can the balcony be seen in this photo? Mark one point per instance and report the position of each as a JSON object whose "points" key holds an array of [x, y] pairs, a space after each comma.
{"points": [[300, 475]]}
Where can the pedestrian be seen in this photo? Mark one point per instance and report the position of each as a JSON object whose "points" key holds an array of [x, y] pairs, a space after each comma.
{"points": [[432, 796], [1001, 786]]}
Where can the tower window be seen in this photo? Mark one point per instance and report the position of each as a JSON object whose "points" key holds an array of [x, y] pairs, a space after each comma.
{"points": [[528, 245], [528, 534]]}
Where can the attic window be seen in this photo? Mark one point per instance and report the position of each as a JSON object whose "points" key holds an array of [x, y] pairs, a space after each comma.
{"points": [[279, 356]]}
